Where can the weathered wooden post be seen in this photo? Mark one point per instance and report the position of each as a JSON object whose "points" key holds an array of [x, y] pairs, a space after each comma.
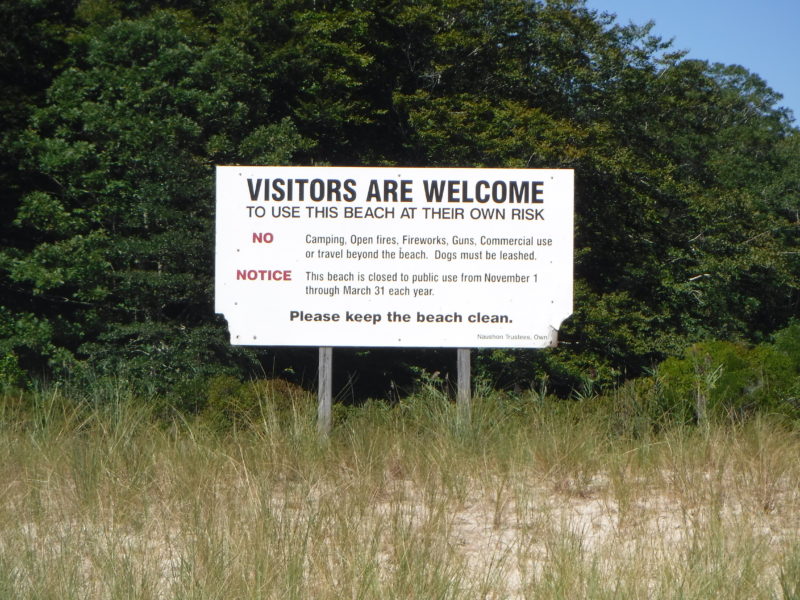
{"points": [[324, 394], [464, 391]]}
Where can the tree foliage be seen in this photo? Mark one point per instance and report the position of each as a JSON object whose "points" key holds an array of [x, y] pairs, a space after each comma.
{"points": [[687, 177]]}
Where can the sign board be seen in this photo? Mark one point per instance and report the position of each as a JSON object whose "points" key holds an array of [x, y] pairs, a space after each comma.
{"points": [[348, 256]]}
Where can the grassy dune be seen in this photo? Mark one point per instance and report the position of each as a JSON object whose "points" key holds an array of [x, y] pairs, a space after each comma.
{"points": [[533, 499]]}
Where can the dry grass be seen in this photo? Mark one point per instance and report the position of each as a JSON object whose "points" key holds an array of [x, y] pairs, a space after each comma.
{"points": [[533, 500]]}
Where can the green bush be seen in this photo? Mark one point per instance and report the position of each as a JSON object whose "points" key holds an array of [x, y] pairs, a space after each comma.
{"points": [[230, 401], [12, 377], [638, 408], [787, 342], [729, 380]]}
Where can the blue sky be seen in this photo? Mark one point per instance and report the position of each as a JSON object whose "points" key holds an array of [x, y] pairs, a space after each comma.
{"points": [[761, 35]]}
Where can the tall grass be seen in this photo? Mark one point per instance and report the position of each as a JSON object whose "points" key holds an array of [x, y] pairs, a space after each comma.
{"points": [[100, 497]]}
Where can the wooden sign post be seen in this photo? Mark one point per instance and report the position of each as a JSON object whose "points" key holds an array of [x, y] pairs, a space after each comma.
{"points": [[325, 393], [464, 393]]}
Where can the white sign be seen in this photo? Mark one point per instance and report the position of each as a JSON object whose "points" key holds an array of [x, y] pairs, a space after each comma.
{"points": [[346, 256]]}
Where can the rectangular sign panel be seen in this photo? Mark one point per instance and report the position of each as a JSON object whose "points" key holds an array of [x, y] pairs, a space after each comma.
{"points": [[347, 256]]}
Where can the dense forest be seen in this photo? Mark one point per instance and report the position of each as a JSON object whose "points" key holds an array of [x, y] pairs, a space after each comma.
{"points": [[114, 114]]}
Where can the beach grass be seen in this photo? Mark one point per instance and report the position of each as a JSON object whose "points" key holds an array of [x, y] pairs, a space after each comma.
{"points": [[102, 496]]}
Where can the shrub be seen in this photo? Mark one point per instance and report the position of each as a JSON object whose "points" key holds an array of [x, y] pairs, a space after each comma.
{"points": [[230, 401], [12, 377], [720, 379]]}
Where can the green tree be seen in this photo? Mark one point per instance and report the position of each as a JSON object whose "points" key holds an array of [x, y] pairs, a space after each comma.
{"points": [[121, 220], [686, 172], [676, 238]]}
